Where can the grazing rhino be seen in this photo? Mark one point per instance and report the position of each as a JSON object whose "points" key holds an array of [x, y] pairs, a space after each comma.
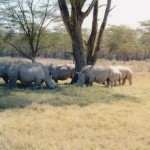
{"points": [[13, 73], [98, 74], [114, 76], [92, 73], [30, 72], [4, 71], [61, 72], [126, 73]]}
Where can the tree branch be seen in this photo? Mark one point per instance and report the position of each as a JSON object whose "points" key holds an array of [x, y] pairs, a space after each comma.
{"points": [[65, 15], [93, 35], [102, 27], [45, 46], [17, 48], [86, 13], [101, 31], [112, 8]]}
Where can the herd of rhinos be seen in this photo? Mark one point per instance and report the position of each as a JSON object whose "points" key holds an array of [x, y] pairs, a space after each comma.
{"points": [[37, 73]]}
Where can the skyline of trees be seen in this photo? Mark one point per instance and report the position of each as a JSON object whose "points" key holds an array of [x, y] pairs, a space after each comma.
{"points": [[137, 46], [25, 30]]}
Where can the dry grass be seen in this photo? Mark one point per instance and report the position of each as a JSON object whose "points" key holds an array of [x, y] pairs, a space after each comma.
{"points": [[75, 118]]}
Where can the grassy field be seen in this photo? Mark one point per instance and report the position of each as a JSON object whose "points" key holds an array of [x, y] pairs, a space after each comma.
{"points": [[78, 118]]}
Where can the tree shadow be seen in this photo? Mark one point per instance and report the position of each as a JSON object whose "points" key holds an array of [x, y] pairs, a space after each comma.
{"points": [[64, 95]]}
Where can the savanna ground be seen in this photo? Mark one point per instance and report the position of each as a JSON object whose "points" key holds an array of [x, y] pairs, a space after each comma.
{"points": [[78, 118]]}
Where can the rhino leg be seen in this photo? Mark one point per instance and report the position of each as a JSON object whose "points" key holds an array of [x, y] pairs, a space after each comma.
{"points": [[130, 82], [5, 79], [91, 80], [87, 82], [108, 84], [41, 85], [24, 84], [119, 82], [111, 83], [28, 84], [115, 83], [12, 83], [36, 84], [124, 81]]}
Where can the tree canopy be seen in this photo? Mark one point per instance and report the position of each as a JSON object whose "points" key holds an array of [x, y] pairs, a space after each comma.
{"points": [[26, 20]]}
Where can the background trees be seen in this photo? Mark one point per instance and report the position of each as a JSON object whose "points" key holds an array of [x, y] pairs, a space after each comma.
{"points": [[144, 38], [121, 42], [30, 35], [26, 22]]}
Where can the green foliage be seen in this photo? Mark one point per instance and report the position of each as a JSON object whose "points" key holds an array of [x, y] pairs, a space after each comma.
{"points": [[145, 25], [145, 36], [29, 19], [120, 39]]}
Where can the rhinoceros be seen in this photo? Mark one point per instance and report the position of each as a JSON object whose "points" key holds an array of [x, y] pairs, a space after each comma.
{"points": [[30, 72], [98, 74], [4, 71], [126, 73], [61, 72], [114, 76]]}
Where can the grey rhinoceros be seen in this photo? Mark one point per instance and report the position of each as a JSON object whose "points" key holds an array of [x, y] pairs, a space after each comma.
{"points": [[98, 74], [61, 72], [4, 71], [126, 73], [12, 73], [30, 72]]}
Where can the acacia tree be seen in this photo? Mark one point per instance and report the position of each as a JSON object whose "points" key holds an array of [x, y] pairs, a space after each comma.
{"points": [[73, 21], [121, 41], [26, 20], [145, 37]]}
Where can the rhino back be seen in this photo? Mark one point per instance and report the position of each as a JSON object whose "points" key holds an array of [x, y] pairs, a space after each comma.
{"points": [[123, 71], [64, 72], [12, 70], [101, 74], [29, 73], [4, 69]]}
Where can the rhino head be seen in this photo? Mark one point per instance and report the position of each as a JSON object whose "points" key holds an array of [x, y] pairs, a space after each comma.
{"points": [[50, 83], [81, 79]]}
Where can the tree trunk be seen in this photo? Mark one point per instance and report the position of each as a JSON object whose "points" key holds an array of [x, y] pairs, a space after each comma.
{"points": [[92, 38], [73, 20], [78, 52], [92, 58]]}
